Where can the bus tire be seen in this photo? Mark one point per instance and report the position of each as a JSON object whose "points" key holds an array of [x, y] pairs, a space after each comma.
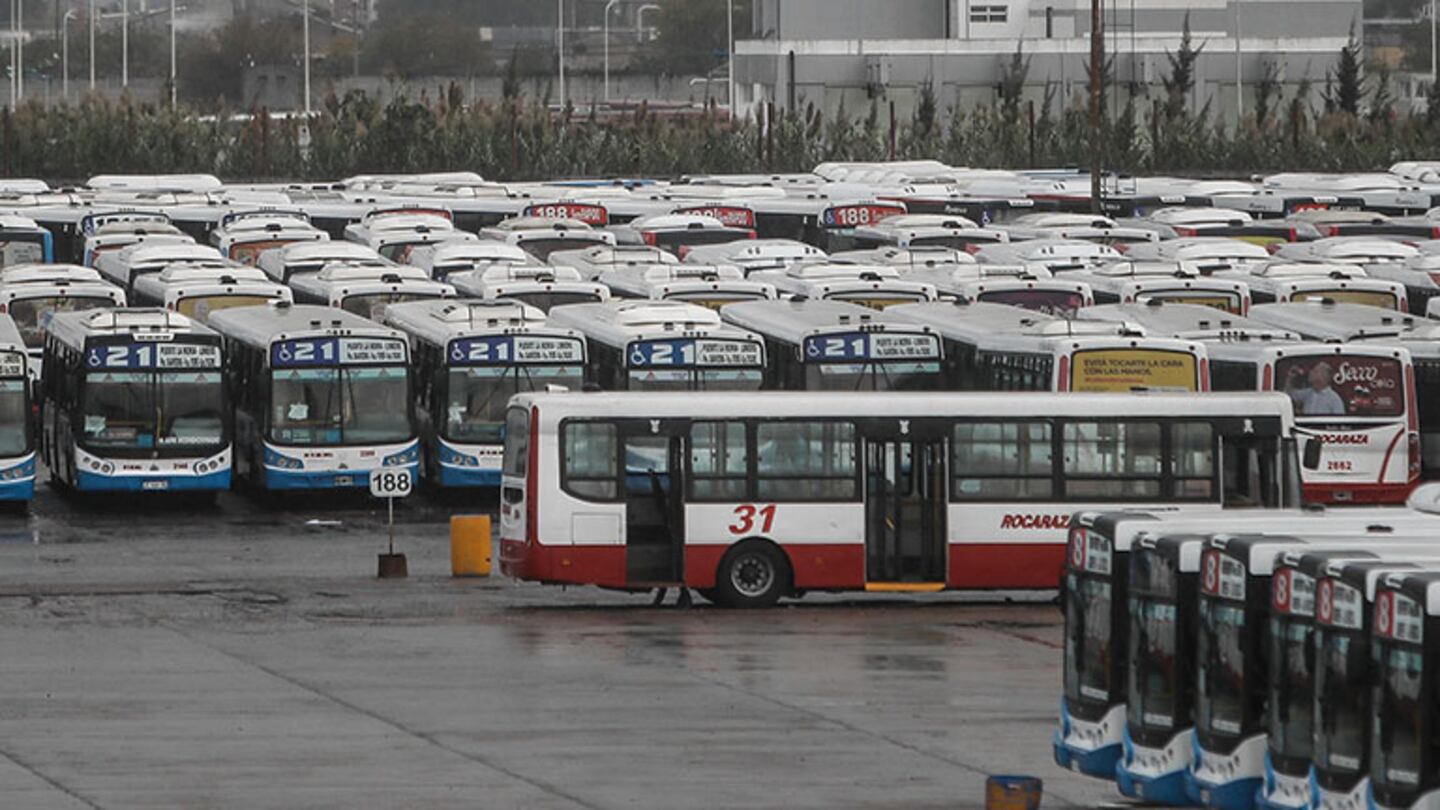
{"points": [[752, 574]]}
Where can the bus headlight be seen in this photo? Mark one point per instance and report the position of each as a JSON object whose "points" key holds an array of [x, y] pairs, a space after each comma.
{"points": [[274, 459], [407, 456]]}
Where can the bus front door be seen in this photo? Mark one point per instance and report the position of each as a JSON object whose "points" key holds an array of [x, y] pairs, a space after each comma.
{"points": [[654, 504], [905, 538]]}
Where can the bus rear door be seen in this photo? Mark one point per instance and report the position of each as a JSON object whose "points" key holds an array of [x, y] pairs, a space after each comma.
{"points": [[654, 453], [905, 488]]}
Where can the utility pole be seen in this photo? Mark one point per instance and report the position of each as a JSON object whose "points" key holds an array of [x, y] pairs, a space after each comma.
{"points": [[306, 33], [92, 46], [560, 45], [1097, 70], [730, 58], [174, 79], [124, 43]]}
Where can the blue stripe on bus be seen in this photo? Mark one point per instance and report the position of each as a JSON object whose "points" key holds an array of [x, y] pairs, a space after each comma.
{"points": [[327, 479], [456, 476]]}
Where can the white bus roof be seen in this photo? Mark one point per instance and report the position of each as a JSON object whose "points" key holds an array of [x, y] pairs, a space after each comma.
{"points": [[155, 182], [753, 253], [1199, 247], [540, 224], [919, 257], [48, 274], [554, 407], [617, 322], [610, 255], [258, 326], [1348, 248], [793, 320], [440, 321], [72, 328], [1329, 320], [1186, 321], [1200, 217], [448, 253], [979, 322]]}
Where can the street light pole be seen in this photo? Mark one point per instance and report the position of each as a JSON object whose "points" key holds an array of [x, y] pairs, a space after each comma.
{"points": [[1239, 71], [20, 49], [730, 58], [306, 28], [560, 46], [609, 4], [65, 54], [124, 43], [1097, 140], [92, 46], [173, 77]]}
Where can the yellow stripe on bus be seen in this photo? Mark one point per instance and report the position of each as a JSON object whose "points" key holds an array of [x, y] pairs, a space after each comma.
{"points": [[904, 587]]}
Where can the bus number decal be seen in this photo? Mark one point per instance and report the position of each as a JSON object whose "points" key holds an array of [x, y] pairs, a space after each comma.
{"points": [[745, 518]]}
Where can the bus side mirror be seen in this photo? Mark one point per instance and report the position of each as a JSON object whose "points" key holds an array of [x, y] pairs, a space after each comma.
{"points": [[1310, 456]]}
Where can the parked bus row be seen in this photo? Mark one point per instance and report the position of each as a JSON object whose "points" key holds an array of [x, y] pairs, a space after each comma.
{"points": [[1272, 658]]}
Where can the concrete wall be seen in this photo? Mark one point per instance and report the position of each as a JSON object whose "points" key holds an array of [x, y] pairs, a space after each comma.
{"points": [[844, 19]]}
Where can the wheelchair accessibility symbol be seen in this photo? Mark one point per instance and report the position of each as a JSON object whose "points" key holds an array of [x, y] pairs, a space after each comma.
{"points": [[637, 356], [813, 350], [94, 358], [284, 354], [457, 353]]}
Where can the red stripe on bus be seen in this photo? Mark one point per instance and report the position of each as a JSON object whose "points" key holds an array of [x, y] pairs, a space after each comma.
{"points": [[1358, 493], [1006, 565]]}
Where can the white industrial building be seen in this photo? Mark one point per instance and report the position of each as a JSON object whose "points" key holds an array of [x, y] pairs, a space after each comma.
{"points": [[825, 52]]}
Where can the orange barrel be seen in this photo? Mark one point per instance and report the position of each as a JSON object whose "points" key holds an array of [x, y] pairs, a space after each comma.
{"points": [[1013, 793]]}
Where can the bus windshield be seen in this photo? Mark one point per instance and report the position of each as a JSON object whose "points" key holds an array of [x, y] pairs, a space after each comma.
{"points": [[373, 305], [1342, 385], [201, 307], [339, 406], [1291, 686], [1059, 303], [1132, 369], [711, 299], [14, 413], [923, 375], [31, 314], [1369, 298], [1154, 668], [1342, 700], [475, 410], [1395, 751], [878, 299], [1220, 686], [153, 409], [1087, 638], [19, 251], [695, 379], [544, 301]]}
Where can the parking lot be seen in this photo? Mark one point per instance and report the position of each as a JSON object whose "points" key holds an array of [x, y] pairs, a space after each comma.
{"points": [[245, 656]]}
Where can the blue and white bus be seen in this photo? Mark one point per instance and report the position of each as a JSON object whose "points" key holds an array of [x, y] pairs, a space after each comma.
{"points": [[22, 241], [17, 439], [134, 401], [323, 397], [472, 356]]}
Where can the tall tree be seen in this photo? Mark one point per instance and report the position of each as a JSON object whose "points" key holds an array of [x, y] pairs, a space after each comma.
{"points": [[1181, 81]]}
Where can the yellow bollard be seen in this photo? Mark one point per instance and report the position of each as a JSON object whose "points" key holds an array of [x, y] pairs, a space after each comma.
{"points": [[470, 545]]}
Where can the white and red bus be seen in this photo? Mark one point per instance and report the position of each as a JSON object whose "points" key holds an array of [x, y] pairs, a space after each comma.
{"points": [[748, 497], [1356, 415]]}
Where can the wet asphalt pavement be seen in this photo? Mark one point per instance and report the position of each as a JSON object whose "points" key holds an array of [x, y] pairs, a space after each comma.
{"points": [[244, 655]]}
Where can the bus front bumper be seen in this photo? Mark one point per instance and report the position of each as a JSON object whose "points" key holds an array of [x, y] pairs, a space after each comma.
{"points": [[1090, 748], [1155, 775]]}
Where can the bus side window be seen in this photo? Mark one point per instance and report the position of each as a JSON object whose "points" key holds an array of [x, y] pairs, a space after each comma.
{"points": [[805, 461], [591, 458], [1118, 459], [1004, 460], [719, 461], [1246, 477], [1192, 459]]}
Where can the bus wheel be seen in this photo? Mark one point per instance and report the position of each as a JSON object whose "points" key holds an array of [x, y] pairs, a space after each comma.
{"points": [[752, 574]]}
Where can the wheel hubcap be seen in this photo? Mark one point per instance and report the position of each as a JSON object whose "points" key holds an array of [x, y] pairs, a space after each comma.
{"points": [[752, 575]]}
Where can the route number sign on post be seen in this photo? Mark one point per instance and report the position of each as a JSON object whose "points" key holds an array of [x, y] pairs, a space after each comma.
{"points": [[391, 483]]}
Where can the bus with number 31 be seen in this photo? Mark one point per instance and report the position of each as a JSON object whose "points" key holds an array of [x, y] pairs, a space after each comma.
{"points": [[750, 497]]}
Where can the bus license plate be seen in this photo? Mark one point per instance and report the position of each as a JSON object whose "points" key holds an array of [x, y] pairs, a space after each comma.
{"points": [[155, 485], [344, 481]]}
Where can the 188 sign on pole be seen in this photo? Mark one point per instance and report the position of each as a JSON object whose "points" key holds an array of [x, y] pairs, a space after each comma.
{"points": [[396, 483]]}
